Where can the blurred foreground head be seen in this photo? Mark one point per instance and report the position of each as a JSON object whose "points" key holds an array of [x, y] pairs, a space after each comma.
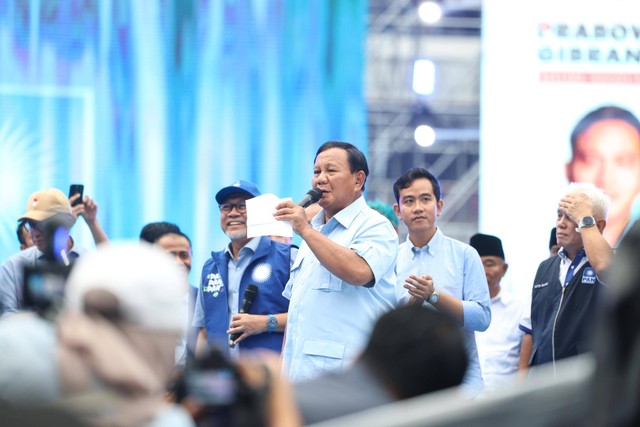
{"points": [[123, 317], [109, 354], [416, 350], [131, 284]]}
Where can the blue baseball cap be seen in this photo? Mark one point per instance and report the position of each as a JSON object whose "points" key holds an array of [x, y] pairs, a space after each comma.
{"points": [[239, 187]]}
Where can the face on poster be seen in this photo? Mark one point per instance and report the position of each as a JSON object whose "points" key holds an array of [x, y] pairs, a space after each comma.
{"points": [[545, 67]]}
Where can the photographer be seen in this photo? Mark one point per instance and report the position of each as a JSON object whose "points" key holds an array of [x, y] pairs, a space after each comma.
{"points": [[49, 217]]}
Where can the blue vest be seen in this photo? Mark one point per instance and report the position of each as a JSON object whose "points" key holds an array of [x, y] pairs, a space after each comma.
{"points": [[269, 271], [574, 313]]}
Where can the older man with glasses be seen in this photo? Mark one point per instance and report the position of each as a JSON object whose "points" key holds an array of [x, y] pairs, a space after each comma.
{"points": [[226, 276]]}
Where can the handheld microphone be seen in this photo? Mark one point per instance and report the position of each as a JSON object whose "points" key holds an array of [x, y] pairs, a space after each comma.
{"points": [[250, 295], [311, 197]]}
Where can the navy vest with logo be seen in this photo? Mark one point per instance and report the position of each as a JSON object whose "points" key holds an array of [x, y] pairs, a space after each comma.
{"points": [[269, 271], [573, 323]]}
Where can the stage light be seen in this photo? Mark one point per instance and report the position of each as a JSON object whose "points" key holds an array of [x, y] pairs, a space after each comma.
{"points": [[430, 12], [424, 76], [424, 135]]}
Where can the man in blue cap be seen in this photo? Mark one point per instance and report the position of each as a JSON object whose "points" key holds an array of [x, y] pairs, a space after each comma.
{"points": [[246, 261]]}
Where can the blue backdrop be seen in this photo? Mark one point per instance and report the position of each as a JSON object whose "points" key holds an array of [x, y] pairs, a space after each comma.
{"points": [[155, 105]]}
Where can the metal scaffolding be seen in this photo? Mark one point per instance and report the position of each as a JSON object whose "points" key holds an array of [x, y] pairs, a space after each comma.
{"points": [[396, 39]]}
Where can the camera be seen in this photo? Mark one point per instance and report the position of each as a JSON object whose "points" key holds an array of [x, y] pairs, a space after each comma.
{"points": [[213, 388], [44, 285], [213, 384], [44, 282]]}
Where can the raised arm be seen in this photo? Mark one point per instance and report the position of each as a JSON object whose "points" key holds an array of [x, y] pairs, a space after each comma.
{"points": [[600, 255], [88, 210], [340, 261]]}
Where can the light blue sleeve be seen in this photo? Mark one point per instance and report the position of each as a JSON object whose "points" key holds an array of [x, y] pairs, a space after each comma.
{"points": [[10, 275], [378, 246], [198, 311], [476, 302]]}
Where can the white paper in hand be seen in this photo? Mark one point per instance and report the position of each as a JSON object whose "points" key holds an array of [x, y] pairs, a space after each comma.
{"points": [[260, 220]]}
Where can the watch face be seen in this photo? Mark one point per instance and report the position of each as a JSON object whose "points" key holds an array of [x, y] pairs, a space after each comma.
{"points": [[434, 298], [587, 221], [272, 324]]}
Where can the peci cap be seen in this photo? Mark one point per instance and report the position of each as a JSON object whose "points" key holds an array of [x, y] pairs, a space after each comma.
{"points": [[553, 239], [487, 245], [147, 283], [239, 187], [44, 204]]}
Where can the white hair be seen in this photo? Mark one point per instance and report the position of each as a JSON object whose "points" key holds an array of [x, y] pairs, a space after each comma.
{"points": [[599, 199]]}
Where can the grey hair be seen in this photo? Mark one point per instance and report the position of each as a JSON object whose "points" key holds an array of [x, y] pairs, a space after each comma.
{"points": [[599, 199]]}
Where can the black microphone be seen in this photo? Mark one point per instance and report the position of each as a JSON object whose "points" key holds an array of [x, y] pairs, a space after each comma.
{"points": [[250, 295], [311, 197]]}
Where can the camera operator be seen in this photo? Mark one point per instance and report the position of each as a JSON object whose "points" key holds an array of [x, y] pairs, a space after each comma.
{"points": [[48, 218]]}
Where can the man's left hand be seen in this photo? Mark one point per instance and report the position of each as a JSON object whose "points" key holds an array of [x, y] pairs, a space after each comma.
{"points": [[420, 288]]}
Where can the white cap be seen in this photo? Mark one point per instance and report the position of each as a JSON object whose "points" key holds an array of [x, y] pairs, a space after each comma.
{"points": [[147, 282]]}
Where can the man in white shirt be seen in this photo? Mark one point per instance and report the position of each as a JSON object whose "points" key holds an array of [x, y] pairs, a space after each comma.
{"points": [[499, 345]]}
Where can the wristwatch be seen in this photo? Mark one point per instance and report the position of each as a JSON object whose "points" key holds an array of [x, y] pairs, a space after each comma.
{"points": [[435, 296], [586, 222], [272, 323]]}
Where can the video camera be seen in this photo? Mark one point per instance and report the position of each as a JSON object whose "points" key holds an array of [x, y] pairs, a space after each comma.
{"points": [[214, 384], [44, 283]]}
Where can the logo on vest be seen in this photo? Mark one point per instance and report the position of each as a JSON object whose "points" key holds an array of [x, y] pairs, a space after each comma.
{"points": [[540, 285], [214, 284], [261, 273], [589, 276]]}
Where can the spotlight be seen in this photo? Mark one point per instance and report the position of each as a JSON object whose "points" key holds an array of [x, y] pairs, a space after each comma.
{"points": [[424, 135], [430, 12], [424, 75]]}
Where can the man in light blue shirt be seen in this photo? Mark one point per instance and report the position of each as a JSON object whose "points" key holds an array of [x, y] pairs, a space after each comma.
{"points": [[343, 277], [435, 269]]}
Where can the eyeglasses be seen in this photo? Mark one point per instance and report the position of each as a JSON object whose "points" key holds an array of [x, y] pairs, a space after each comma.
{"points": [[228, 207]]}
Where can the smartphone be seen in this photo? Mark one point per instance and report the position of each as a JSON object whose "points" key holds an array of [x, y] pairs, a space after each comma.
{"points": [[76, 189]]}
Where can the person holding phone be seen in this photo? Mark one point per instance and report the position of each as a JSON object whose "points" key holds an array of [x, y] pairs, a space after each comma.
{"points": [[87, 208], [47, 211]]}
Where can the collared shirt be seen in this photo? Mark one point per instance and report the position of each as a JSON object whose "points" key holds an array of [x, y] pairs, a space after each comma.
{"points": [[236, 269], [330, 320], [565, 264], [12, 276], [499, 346], [457, 270]]}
